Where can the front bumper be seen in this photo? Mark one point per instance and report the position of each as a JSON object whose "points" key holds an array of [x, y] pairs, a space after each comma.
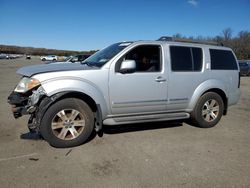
{"points": [[25, 103], [18, 104]]}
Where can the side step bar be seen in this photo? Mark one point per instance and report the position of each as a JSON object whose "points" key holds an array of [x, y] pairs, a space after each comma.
{"points": [[145, 118]]}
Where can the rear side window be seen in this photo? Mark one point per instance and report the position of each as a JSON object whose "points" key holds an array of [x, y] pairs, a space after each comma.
{"points": [[222, 60], [185, 58]]}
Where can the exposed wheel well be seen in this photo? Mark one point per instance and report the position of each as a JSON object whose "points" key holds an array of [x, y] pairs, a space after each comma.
{"points": [[223, 96], [91, 103], [81, 96], [45, 103]]}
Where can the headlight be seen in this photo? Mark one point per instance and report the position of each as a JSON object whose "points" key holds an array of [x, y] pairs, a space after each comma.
{"points": [[26, 84]]}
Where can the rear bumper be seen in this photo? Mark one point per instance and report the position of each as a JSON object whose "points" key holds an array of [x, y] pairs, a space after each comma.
{"points": [[234, 97]]}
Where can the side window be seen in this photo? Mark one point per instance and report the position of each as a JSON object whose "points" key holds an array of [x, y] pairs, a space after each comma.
{"points": [[222, 60], [185, 58], [147, 58]]}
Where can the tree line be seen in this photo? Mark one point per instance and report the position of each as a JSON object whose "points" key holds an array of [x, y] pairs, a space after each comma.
{"points": [[240, 43], [8, 49]]}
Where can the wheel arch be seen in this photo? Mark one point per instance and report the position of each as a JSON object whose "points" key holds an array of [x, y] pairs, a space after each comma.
{"points": [[96, 108], [82, 96], [215, 86], [79, 88], [222, 94], [45, 103]]}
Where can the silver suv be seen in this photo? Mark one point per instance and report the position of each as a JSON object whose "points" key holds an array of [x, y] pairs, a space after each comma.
{"points": [[128, 82]]}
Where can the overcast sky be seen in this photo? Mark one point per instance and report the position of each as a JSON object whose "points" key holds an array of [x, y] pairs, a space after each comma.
{"points": [[90, 25]]}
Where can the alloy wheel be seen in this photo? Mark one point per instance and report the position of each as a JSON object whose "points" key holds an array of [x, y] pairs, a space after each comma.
{"points": [[68, 124]]}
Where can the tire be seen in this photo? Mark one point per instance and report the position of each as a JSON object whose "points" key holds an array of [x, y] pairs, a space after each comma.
{"points": [[43, 59], [208, 110], [67, 123]]}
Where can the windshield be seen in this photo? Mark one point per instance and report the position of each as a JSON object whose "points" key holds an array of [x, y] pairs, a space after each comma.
{"points": [[103, 56]]}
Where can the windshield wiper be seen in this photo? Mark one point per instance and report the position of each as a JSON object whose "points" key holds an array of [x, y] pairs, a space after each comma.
{"points": [[90, 64]]}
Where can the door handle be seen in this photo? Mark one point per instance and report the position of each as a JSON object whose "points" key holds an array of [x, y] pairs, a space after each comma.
{"points": [[160, 79]]}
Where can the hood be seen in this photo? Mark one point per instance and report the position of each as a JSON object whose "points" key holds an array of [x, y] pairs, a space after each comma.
{"points": [[59, 62], [35, 69]]}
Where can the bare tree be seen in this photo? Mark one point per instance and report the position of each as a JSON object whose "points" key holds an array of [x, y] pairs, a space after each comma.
{"points": [[227, 34], [243, 45]]}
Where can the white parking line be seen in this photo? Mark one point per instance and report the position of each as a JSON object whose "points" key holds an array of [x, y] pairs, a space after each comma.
{"points": [[17, 157]]}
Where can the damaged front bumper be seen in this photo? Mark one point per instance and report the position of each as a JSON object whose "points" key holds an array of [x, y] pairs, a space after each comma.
{"points": [[25, 103], [18, 104], [33, 103]]}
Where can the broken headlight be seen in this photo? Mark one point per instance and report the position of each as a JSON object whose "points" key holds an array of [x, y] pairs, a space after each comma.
{"points": [[26, 84]]}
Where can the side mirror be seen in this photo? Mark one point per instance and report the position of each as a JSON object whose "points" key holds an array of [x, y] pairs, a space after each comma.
{"points": [[128, 66]]}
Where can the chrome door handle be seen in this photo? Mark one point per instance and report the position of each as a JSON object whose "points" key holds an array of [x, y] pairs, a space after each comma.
{"points": [[160, 79]]}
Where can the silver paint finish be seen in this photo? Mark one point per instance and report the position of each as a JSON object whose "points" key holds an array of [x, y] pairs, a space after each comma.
{"points": [[139, 92], [53, 67]]}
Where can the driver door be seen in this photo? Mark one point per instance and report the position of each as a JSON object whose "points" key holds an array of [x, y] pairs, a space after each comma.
{"points": [[142, 91]]}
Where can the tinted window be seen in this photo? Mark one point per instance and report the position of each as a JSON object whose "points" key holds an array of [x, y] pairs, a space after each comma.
{"points": [[222, 60], [186, 58]]}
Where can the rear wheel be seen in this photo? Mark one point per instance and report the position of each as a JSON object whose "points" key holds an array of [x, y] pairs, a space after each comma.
{"points": [[208, 110], [67, 123]]}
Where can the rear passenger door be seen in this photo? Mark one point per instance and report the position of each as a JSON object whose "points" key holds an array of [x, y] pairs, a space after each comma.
{"points": [[185, 75]]}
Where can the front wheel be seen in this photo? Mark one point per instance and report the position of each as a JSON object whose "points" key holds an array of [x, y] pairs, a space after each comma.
{"points": [[67, 123], [208, 110]]}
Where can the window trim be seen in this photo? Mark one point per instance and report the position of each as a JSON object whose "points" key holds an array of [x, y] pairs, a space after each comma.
{"points": [[192, 58], [142, 72], [225, 50]]}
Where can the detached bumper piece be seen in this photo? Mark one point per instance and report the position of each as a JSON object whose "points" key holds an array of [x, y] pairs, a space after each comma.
{"points": [[18, 103]]}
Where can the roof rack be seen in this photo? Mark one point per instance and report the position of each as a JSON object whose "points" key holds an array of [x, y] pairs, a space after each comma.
{"points": [[174, 39]]}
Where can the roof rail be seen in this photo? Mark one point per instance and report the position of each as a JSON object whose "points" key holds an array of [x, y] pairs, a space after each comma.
{"points": [[174, 39]]}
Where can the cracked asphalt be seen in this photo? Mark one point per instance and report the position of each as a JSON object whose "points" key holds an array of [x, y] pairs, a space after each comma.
{"points": [[166, 154]]}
